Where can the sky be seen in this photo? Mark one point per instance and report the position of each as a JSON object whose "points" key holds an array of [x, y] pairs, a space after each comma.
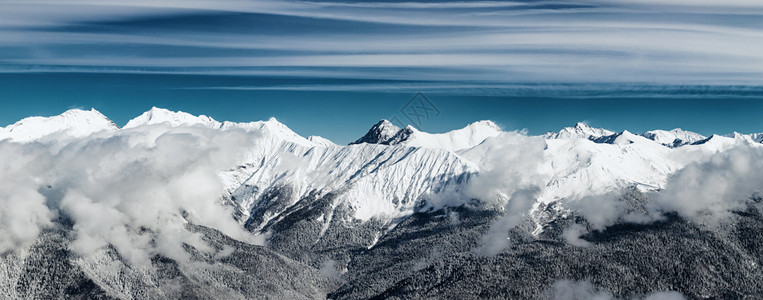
{"points": [[333, 68]]}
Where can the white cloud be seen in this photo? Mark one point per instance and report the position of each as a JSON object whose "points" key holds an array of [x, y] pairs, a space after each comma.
{"points": [[572, 235], [507, 163], [497, 237], [577, 290], [566, 289], [329, 268], [510, 178], [599, 41], [707, 190], [665, 296], [23, 212], [133, 189], [600, 211]]}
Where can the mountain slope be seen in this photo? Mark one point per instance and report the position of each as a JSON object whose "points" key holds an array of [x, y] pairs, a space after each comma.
{"points": [[49, 270]]}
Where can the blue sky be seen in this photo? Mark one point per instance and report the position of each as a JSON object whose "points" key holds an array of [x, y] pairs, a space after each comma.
{"points": [[344, 115], [333, 68]]}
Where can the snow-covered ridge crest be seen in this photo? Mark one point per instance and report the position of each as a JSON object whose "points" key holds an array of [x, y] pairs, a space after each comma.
{"points": [[473, 134], [73, 122], [673, 138], [459, 139], [580, 130], [163, 116], [272, 127]]}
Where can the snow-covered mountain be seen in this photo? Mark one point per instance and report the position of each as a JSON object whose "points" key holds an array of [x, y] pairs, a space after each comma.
{"points": [[74, 123], [390, 170], [720, 143], [163, 116], [753, 137], [673, 138], [334, 209], [581, 167], [758, 137], [387, 133], [274, 131], [580, 130], [467, 137], [380, 133]]}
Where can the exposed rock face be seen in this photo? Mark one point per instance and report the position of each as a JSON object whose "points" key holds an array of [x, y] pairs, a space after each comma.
{"points": [[380, 133]]}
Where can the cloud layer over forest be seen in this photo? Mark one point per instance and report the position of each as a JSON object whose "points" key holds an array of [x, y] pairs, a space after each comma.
{"points": [[134, 189]]}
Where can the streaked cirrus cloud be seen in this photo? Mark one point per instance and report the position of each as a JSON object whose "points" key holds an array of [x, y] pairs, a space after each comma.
{"points": [[680, 41]]}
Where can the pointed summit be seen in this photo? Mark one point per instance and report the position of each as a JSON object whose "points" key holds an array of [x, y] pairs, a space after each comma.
{"points": [[473, 134], [580, 130], [380, 133], [623, 138]]}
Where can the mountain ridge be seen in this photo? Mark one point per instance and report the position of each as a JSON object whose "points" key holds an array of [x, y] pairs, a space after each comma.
{"points": [[83, 122]]}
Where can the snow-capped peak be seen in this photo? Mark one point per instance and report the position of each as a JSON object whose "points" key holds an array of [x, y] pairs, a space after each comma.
{"points": [[74, 122], [623, 138], [163, 116], [384, 132], [673, 138], [380, 133], [580, 130], [459, 139], [275, 129], [483, 125]]}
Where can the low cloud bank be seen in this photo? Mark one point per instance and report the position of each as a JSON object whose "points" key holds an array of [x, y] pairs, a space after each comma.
{"points": [[572, 235], [510, 178], [705, 191], [133, 189], [497, 237], [709, 189], [514, 171], [584, 290], [507, 163]]}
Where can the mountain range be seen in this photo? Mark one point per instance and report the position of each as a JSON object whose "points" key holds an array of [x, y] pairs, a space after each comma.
{"points": [[476, 212]]}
